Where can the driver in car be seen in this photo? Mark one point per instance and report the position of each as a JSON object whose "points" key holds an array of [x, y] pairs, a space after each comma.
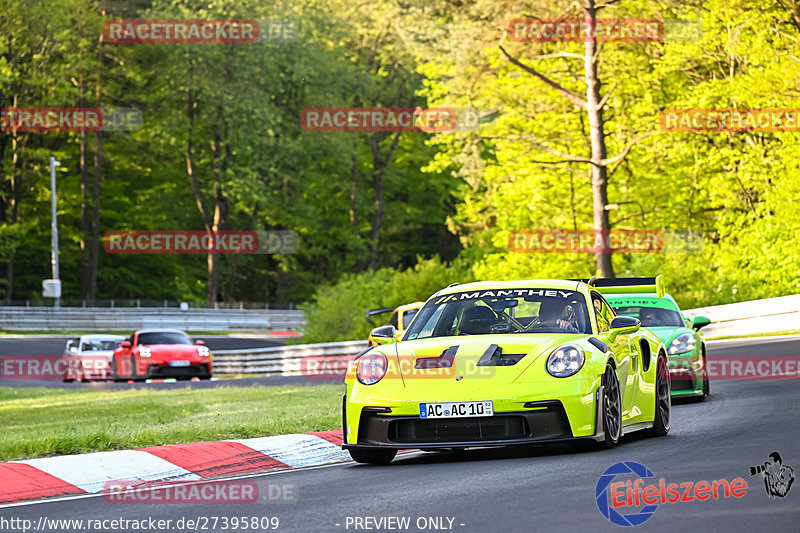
{"points": [[551, 314], [649, 318]]}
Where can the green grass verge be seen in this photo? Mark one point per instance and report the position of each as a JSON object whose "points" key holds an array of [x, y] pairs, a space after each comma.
{"points": [[40, 422], [770, 334]]}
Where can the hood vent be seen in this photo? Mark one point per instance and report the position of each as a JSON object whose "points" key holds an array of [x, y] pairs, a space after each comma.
{"points": [[494, 356], [443, 361]]}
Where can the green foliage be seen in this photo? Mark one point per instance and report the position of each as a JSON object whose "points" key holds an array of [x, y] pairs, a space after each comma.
{"points": [[338, 312], [251, 157], [449, 194]]}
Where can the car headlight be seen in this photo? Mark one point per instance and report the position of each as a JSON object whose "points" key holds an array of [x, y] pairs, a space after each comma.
{"points": [[565, 360], [681, 344], [203, 351], [144, 351], [371, 368]]}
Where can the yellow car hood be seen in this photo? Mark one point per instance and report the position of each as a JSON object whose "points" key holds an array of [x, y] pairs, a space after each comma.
{"points": [[423, 363]]}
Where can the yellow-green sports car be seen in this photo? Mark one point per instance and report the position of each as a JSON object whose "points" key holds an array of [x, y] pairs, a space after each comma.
{"points": [[506, 363]]}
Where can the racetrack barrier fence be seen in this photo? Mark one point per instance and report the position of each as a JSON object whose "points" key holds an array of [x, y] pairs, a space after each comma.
{"points": [[14, 318], [282, 360], [769, 315]]}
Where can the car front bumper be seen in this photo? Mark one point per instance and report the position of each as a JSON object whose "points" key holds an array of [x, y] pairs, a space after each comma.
{"points": [[547, 422], [161, 371], [541, 412], [687, 373]]}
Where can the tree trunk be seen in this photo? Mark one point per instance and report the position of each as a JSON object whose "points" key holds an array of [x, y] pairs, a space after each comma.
{"points": [[83, 170], [220, 206], [380, 164], [354, 190], [598, 142], [13, 206], [94, 248]]}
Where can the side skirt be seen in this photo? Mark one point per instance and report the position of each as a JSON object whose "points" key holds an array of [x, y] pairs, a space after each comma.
{"points": [[636, 427]]}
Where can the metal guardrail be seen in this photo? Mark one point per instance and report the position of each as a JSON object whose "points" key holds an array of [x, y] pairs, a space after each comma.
{"points": [[145, 302], [132, 318], [281, 360], [753, 317]]}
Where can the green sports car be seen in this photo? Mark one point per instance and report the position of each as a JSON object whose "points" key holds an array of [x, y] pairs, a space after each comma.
{"points": [[505, 363], [645, 299]]}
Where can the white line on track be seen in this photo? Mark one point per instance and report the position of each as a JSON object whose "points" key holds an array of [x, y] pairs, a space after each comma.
{"points": [[756, 339]]}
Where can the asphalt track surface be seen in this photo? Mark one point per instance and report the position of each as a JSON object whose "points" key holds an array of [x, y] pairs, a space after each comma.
{"points": [[532, 489]]}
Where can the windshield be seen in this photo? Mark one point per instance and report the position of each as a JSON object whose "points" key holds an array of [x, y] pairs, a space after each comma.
{"points": [[506, 311], [653, 316], [164, 337], [95, 345]]}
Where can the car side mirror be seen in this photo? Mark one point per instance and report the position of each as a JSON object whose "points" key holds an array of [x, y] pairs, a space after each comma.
{"points": [[383, 335], [200, 343], [126, 344], [700, 322], [625, 325]]}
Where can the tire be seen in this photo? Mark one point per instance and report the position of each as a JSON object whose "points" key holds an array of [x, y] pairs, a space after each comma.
{"points": [[612, 409], [663, 414], [372, 456], [706, 386], [134, 374], [114, 375]]}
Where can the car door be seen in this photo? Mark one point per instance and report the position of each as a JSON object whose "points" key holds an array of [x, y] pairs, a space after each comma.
{"points": [[620, 346], [122, 356]]}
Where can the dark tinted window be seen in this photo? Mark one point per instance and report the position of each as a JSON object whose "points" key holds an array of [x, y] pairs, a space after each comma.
{"points": [[94, 345], [164, 337], [408, 316], [600, 312], [653, 316]]}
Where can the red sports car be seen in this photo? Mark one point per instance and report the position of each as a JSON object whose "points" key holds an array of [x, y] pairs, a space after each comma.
{"points": [[160, 353]]}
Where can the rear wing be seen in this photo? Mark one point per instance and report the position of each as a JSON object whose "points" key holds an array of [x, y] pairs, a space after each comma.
{"points": [[653, 285], [372, 312]]}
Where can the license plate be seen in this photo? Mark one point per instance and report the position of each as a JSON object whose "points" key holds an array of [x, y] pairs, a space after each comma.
{"points": [[179, 363], [455, 409]]}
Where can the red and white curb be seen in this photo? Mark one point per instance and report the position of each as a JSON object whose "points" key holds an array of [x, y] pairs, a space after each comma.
{"points": [[89, 473]]}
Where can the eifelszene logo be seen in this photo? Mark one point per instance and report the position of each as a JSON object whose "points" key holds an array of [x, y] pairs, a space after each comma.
{"points": [[641, 501]]}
